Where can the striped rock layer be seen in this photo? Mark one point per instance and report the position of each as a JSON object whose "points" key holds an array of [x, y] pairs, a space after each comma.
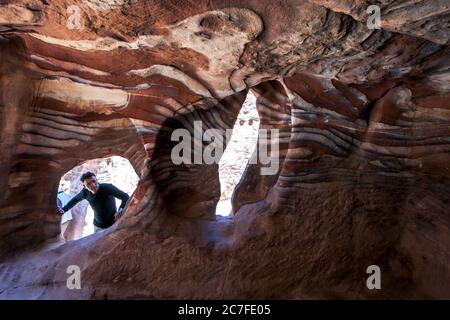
{"points": [[363, 172]]}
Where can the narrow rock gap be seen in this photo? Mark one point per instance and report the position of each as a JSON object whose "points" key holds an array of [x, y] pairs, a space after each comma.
{"points": [[238, 152]]}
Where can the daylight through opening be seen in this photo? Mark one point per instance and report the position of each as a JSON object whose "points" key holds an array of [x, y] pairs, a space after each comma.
{"points": [[239, 150]]}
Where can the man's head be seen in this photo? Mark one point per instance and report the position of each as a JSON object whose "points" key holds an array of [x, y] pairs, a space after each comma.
{"points": [[90, 182]]}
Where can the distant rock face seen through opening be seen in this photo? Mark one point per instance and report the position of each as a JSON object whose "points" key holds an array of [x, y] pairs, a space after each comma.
{"points": [[358, 113]]}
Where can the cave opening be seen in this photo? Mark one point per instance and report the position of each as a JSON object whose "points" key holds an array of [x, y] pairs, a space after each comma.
{"points": [[116, 170], [240, 148]]}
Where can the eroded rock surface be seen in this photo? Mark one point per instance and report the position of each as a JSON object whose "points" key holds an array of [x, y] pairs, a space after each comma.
{"points": [[364, 122]]}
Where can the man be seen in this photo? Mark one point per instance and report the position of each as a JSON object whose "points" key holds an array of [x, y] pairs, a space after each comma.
{"points": [[101, 198], [63, 198]]}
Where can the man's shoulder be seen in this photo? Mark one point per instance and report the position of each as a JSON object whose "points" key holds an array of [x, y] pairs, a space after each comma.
{"points": [[83, 192], [110, 188], [106, 186]]}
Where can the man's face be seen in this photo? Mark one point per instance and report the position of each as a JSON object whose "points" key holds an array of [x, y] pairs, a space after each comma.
{"points": [[91, 184]]}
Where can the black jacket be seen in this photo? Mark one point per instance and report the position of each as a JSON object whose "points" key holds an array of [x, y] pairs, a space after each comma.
{"points": [[103, 203]]}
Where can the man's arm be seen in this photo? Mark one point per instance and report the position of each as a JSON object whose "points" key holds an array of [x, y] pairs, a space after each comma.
{"points": [[119, 194], [72, 202]]}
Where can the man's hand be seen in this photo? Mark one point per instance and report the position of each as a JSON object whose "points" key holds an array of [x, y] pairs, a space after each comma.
{"points": [[118, 215], [59, 211]]}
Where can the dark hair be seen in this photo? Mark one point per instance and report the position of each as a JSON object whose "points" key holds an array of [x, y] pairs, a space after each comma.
{"points": [[87, 175]]}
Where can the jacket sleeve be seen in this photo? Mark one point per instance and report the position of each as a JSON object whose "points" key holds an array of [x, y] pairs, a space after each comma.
{"points": [[72, 202], [119, 194]]}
